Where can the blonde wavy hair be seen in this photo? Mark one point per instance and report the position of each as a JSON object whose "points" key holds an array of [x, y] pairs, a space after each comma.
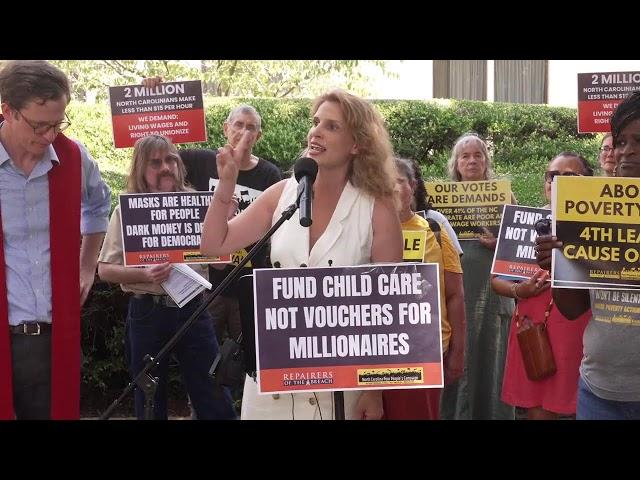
{"points": [[461, 142], [143, 149], [372, 168]]}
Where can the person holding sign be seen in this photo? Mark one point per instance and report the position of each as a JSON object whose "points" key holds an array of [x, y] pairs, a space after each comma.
{"points": [[421, 204], [423, 403], [605, 158], [609, 384], [544, 399], [51, 194], [477, 394], [354, 223], [153, 318]]}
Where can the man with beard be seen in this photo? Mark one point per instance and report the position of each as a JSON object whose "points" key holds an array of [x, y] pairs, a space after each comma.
{"points": [[609, 384], [153, 318]]}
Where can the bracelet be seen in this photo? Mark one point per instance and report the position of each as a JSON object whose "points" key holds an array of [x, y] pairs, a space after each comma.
{"points": [[514, 291]]}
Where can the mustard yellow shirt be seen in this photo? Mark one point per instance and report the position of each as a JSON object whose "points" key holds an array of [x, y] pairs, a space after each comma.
{"points": [[446, 256]]}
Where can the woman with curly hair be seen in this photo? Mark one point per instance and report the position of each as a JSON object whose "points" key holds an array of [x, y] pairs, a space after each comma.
{"points": [[354, 222]]}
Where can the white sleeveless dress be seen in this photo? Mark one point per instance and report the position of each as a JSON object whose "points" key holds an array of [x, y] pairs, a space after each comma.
{"points": [[346, 241]]}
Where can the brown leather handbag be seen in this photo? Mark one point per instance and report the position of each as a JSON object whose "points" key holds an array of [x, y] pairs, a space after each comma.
{"points": [[533, 339]]}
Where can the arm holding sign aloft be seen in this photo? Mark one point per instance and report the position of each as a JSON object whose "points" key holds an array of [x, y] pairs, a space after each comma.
{"points": [[487, 239], [152, 82], [544, 246], [571, 302]]}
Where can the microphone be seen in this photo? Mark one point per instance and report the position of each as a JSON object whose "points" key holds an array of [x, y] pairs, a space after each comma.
{"points": [[305, 171]]}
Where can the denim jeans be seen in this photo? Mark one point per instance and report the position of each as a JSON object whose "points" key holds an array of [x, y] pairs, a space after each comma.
{"points": [[592, 407], [149, 327]]}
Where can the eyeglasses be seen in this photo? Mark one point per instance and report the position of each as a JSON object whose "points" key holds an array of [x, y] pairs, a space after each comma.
{"points": [[551, 174], [244, 126], [606, 149], [156, 163], [42, 128]]}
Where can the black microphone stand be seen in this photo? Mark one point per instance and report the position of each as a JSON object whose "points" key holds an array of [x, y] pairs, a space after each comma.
{"points": [[148, 383]]}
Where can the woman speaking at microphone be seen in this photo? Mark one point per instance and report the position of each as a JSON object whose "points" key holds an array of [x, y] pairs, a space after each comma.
{"points": [[354, 222]]}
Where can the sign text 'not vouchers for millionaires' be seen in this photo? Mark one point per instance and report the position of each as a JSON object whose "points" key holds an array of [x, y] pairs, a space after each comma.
{"points": [[345, 328], [172, 109], [470, 207], [164, 227], [598, 221]]}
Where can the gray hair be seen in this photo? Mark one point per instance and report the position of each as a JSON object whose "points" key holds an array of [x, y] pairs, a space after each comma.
{"points": [[247, 110], [406, 168], [461, 142]]}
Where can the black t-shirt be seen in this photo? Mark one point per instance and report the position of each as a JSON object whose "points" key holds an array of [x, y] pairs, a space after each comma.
{"points": [[202, 174]]}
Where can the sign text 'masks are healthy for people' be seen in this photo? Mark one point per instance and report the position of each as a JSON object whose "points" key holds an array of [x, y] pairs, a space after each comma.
{"points": [[164, 227]]}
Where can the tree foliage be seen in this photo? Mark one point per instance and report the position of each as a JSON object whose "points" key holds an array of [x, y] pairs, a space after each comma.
{"points": [[223, 78]]}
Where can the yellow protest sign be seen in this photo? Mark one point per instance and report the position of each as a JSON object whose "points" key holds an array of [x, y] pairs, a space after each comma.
{"points": [[414, 245]]}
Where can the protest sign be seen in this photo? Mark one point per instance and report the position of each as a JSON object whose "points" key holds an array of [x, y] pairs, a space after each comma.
{"points": [[514, 255], [598, 221], [598, 96], [345, 328], [164, 227], [472, 208], [172, 109]]}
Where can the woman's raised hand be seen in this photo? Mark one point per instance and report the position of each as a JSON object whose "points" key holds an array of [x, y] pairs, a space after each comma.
{"points": [[229, 157]]}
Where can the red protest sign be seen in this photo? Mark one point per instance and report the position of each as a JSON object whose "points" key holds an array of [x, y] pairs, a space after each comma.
{"points": [[172, 109], [598, 96]]}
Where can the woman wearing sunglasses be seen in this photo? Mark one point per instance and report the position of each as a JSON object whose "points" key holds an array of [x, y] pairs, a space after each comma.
{"points": [[549, 397]]}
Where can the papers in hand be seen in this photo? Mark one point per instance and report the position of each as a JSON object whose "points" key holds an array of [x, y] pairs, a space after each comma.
{"points": [[183, 284]]}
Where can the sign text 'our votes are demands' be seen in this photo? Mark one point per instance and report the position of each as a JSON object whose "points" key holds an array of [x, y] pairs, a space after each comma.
{"points": [[472, 208], [164, 227], [348, 327]]}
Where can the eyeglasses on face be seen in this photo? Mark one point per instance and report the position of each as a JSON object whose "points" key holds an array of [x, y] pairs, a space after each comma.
{"points": [[156, 163], [41, 128], [606, 149], [551, 174], [238, 125]]}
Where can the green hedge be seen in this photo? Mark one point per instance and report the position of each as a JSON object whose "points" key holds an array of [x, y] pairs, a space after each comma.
{"points": [[522, 138]]}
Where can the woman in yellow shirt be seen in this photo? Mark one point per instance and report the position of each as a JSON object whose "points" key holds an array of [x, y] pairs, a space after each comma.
{"points": [[424, 404]]}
